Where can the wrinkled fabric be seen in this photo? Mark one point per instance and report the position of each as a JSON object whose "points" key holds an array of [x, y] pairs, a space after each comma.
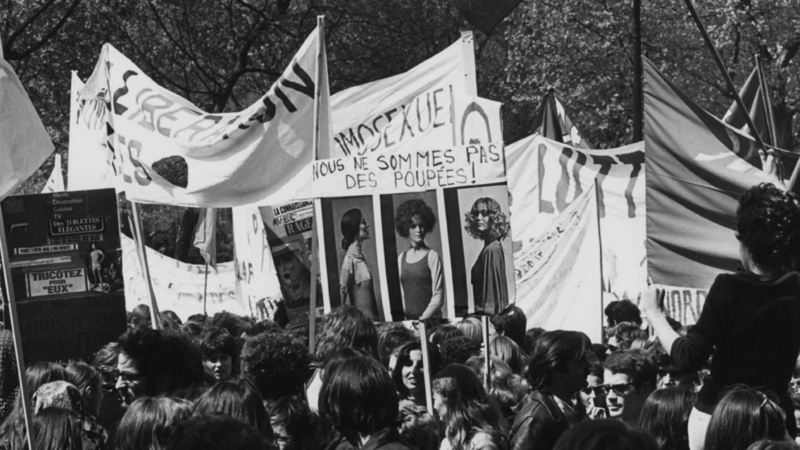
{"points": [[58, 394]]}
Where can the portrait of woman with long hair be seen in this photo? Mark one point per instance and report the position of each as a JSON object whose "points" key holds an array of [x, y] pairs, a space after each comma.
{"points": [[487, 222], [420, 267], [355, 278]]}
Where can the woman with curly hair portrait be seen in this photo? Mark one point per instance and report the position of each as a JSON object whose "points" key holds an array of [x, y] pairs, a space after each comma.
{"points": [[487, 222], [355, 279], [421, 285]]}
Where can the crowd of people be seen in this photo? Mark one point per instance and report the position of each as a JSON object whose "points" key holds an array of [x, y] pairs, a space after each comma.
{"points": [[729, 382]]}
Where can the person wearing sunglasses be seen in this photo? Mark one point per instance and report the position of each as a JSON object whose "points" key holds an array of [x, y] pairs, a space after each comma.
{"points": [[630, 376], [557, 370], [487, 222]]}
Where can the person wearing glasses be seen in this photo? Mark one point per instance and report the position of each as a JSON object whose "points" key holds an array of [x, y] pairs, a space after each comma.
{"points": [[487, 222], [557, 370], [630, 376], [593, 396]]}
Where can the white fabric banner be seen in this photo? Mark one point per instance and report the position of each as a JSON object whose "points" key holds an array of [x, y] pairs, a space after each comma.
{"points": [[545, 177], [558, 273], [90, 161], [361, 112], [179, 286], [24, 142], [56, 181], [256, 277], [256, 156]]}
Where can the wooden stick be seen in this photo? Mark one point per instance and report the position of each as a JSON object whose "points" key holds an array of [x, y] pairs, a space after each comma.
{"points": [[138, 235], [487, 379], [426, 366]]}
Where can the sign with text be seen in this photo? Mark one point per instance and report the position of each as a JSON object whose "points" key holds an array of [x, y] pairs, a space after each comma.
{"points": [[66, 271], [410, 171]]}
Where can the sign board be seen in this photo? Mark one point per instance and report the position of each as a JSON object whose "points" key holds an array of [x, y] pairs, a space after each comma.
{"points": [[66, 271]]}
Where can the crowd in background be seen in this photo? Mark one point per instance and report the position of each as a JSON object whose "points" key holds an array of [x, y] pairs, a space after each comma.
{"points": [[729, 382]]}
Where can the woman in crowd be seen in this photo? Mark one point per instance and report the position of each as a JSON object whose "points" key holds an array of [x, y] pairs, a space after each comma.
{"points": [[751, 319], [89, 382], [487, 222], [220, 354], [293, 424], [408, 373], [472, 420], [58, 429], [665, 416], [355, 280], [238, 399], [508, 351], [742, 417], [149, 422], [421, 278]]}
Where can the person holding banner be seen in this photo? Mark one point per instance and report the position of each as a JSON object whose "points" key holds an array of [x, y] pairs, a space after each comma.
{"points": [[421, 279], [356, 279], [487, 222]]}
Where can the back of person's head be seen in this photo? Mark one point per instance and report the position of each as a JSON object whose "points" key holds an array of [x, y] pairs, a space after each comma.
{"points": [[57, 429], [140, 316], [624, 334], [210, 432], [391, 336], [458, 349], [665, 416], [43, 372], [238, 399], [508, 351], [347, 326], [636, 364], [191, 328], [217, 341], [553, 350], [472, 328], [531, 336], [511, 323], [508, 391], [444, 332], [292, 422], [234, 324], [418, 427], [169, 361], [604, 434], [58, 394], [768, 226], [497, 366], [277, 363], [623, 311], [149, 422], [89, 382], [171, 316], [358, 396], [769, 444], [262, 326], [742, 417]]}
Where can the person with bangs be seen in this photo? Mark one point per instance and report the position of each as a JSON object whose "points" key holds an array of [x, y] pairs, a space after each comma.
{"points": [[487, 222], [220, 354]]}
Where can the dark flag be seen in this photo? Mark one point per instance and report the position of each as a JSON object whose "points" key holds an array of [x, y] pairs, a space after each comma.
{"points": [[753, 96], [553, 123], [485, 14]]}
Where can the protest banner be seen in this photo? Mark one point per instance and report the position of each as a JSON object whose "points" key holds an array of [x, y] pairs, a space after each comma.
{"points": [[553, 123], [65, 262], [256, 279], [406, 275], [90, 159], [360, 113], [558, 274], [289, 230], [256, 156], [545, 177], [179, 286]]}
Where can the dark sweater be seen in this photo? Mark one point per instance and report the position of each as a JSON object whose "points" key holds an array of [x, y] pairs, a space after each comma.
{"points": [[753, 329]]}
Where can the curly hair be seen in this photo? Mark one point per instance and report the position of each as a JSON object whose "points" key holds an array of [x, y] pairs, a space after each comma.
{"points": [[404, 217], [499, 224], [347, 326], [636, 364], [768, 225], [277, 363]]}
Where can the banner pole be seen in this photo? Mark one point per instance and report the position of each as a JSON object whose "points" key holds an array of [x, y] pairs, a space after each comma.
{"points": [[155, 316], [205, 293], [426, 366], [725, 74], [487, 379], [15, 329], [470, 78], [312, 302], [600, 243], [762, 82], [638, 71]]}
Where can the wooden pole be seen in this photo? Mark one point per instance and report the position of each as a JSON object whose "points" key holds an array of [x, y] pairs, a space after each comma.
{"points": [[600, 242], [638, 71], [426, 365], [765, 100], [205, 293], [312, 303], [138, 234], [487, 378], [15, 329]]}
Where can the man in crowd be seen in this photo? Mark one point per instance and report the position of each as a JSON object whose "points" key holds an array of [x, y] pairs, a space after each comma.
{"points": [[630, 376]]}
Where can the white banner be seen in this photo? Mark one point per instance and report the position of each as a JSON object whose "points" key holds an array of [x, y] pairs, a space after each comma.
{"points": [[256, 278], [90, 161], [558, 274], [409, 171], [361, 112], [179, 286], [256, 156], [545, 177]]}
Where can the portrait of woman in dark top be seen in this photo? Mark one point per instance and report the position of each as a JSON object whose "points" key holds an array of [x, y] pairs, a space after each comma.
{"points": [[420, 267], [487, 222], [355, 280]]}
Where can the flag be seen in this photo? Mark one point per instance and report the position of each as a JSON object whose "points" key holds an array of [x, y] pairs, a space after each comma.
{"points": [[56, 181], [90, 160], [361, 112], [167, 150], [697, 167], [753, 98], [205, 235], [553, 123], [485, 14], [558, 276], [24, 142], [256, 277]]}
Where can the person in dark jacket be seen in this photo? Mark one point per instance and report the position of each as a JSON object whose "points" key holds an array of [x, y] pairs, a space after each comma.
{"points": [[557, 370]]}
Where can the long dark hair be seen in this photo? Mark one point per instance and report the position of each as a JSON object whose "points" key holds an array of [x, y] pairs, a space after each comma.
{"points": [[149, 421], [351, 226], [238, 399], [742, 417], [87, 379], [469, 408], [665, 416], [347, 326], [552, 351], [57, 429]]}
